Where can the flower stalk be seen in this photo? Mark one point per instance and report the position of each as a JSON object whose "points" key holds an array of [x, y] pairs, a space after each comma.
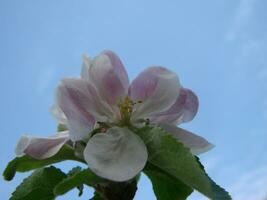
{"points": [[117, 190]]}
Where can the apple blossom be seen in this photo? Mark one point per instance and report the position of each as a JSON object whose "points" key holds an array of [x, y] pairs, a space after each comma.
{"points": [[99, 108]]}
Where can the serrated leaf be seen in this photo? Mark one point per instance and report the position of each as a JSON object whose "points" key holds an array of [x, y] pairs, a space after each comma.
{"points": [[166, 187], [215, 187], [82, 177], [27, 163], [72, 172], [39, 185], [171, 156]]}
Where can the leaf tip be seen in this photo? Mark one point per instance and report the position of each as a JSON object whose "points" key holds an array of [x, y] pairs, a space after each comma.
{"points": [[9, 173]]}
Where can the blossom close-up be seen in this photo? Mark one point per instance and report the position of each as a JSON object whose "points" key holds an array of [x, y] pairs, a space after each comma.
{"points": [[100, 109], [133, 100]]}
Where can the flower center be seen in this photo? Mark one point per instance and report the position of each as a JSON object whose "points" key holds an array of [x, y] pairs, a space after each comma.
{"points": [[126, 109]]}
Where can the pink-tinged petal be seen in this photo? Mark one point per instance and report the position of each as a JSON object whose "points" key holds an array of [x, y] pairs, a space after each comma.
{"points": [[157, 88], [41, 147], [72, 100], [117, 155], [82, 106], [183, 110], [109, 76], [58, 114], [118, 67], [195, 143], [85, 67]]}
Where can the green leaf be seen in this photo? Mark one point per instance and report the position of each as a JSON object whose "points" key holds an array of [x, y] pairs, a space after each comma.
{"points": [[27, 163], [215, 187], [166, 187], [62, 127], [79, 178], [39, 185], [172, 157], [74, 171]]}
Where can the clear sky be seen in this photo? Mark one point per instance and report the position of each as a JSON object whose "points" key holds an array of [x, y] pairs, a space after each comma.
{"points": [[218, 48]]}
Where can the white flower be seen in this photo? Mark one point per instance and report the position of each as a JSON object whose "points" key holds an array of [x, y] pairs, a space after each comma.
{"points": [[103, 98]]}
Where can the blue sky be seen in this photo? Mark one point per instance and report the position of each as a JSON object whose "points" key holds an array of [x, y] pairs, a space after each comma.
{"points": [[218, 49]]}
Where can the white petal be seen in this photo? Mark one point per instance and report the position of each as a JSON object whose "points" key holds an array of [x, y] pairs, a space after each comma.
{"points": [[58, 114], [117, 155], [183, 110], [197, 144], [85, 67], [41, 147], [22, 144], [109, 76], [82, 106], [157, 88]]}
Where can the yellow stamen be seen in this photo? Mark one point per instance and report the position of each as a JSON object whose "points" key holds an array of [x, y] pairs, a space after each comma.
{"points": [[126, 108]]}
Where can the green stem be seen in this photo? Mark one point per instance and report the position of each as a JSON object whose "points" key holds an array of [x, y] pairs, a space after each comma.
{"points": [[117, 190]]}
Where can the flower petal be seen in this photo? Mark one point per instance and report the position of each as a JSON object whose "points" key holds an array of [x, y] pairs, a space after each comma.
{"points": [[157, 88], [71, 98], [183, 110], [196, 143], [82, 106], [85, 67], [117, 155], [58, 114], [109, 76], [41, 147]]}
